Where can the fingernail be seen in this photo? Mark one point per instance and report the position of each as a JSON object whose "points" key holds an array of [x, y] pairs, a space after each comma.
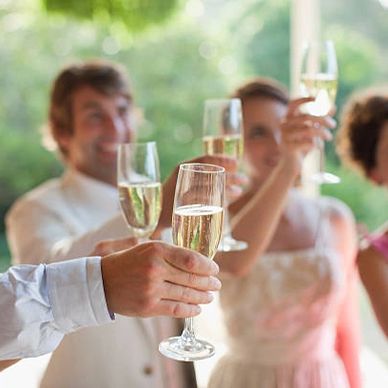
{"points": [[328, 135], [215, 283], [211, 296], [196, 310], [215, 267], [243, 178]]}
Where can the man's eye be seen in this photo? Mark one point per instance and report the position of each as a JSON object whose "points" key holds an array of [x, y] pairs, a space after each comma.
{"points": [[257, 132], [123, 111], [96, 116]]}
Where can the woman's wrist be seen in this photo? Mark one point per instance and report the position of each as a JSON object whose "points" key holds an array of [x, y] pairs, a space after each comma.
{"points": [[290, 165]]}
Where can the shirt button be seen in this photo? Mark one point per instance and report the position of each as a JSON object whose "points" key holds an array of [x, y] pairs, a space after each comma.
{"points": [[148, 370]]}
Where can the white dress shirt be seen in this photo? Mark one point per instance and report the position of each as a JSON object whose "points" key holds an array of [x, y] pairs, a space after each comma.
{"points": [[64, 218], [39, 304]]}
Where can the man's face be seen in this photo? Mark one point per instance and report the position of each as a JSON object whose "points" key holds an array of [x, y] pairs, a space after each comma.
{"points": [[100, 123]]}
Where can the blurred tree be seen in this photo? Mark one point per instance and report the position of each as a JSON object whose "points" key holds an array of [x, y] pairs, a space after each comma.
{"points": [[170, 76], [135, 15], [261, 35]]}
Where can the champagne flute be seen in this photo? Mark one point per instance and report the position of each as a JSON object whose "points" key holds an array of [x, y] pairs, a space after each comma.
{"points": [[319, 79], [139, 186], [222, 134], [197, 225]]}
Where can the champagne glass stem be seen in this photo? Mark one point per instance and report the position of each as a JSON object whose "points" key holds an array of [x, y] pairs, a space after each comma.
{"points": [[321, 148], [228, 243], [188, 335]]}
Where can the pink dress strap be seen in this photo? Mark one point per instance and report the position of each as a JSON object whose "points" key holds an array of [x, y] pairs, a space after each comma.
{"points": [[380, 243]]}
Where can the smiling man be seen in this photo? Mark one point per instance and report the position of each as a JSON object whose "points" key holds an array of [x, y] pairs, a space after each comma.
{"points": [[91, 111]]}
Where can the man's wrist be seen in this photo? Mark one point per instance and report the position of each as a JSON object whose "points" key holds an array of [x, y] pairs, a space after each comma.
{"points": [[76, 294]]}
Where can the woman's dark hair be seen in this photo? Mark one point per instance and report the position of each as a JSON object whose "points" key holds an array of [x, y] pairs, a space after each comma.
{"points": [[362, 121]]}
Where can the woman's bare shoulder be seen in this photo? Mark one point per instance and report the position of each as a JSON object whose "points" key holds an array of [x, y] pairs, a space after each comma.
{"points": [[337, 210]]}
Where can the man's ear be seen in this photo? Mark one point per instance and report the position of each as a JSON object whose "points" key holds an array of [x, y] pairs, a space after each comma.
{"points": [[63, 140]]}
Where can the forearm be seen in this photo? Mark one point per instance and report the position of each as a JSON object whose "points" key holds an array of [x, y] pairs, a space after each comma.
{"points": [[256, 222], [40, 304], [49, 239], [7, 363], [84, 244], [348, 336], [374, 275]]}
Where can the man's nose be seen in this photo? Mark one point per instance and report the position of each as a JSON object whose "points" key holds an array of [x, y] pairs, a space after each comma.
{"points": [[117, 127]]}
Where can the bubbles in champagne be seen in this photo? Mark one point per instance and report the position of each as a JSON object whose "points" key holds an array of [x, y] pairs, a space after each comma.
{"points": [[198, 227], [141, 205], [321, 86], [231, 145]]}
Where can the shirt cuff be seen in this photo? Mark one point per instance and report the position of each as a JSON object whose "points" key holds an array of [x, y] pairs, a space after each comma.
{"points": [[76, 294]]}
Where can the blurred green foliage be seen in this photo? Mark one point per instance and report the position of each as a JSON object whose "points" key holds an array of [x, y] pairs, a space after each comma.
{"points": [[135, 15], [173, 69]]}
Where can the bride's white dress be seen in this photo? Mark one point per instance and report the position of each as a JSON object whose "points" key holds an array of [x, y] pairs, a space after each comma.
{"points": [[281, 321]]}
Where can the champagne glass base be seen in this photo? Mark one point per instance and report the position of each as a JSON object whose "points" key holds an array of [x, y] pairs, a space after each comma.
{"points": [[325, 178], [176, 349], [229, 244]]}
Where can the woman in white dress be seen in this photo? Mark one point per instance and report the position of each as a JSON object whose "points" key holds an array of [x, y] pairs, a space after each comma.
{"points": [[289, 297]]}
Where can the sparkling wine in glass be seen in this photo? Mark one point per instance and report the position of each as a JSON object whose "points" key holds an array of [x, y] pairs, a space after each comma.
{"points": [[222, 134], [139, 186], [196, 224], [319, 79]]}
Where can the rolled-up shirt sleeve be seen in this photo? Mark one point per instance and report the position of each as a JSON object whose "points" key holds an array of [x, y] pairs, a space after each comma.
{"points": [[40, 304]]}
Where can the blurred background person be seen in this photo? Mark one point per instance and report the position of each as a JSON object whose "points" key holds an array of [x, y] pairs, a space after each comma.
{"points": [[91, 111], [363, 145], [288, 300]]}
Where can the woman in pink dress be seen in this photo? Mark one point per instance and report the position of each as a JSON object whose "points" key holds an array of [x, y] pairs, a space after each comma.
{"points": [[287, 298], [363, 144]]}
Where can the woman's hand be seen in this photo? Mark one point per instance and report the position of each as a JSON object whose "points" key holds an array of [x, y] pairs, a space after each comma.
{"points": [[301, 132]]}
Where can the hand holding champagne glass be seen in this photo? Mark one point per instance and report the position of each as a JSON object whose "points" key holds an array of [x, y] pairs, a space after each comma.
{"points": [[222, 134], [319, 79], [139, 186], [197, 225]]}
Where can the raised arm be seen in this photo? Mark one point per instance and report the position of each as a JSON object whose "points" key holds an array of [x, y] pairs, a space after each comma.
{"points": [[257, 212], [373, 268], [37, 232]]}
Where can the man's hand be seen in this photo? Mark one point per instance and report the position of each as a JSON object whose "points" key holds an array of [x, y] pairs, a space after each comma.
{"points": [[155, 278], [105, 247]]}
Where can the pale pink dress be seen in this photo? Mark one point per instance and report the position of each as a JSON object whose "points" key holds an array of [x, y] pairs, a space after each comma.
{"points": [[281, 321]]}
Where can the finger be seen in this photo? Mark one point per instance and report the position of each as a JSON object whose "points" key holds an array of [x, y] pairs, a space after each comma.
{"points": [[294, 105], [177, 309], [229, 163], [188, 279], [307, 133], [307, 120], [325, 121], [179, 293], [189, 261], [237, 179], [233, 192]]}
